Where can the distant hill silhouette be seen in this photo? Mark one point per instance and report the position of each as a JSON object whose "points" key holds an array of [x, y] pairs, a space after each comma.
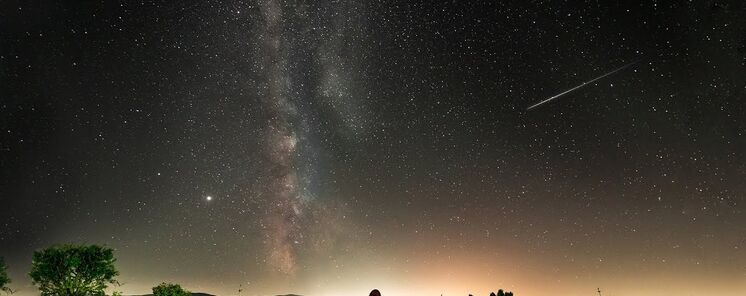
{"points": [[193, 294], [205, 294]]}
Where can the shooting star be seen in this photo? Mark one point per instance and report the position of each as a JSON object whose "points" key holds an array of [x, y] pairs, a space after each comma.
{"points": [[579, 86]]}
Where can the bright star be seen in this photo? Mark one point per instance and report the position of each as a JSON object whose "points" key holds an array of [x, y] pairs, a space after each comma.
{"points": [[208, 198]]}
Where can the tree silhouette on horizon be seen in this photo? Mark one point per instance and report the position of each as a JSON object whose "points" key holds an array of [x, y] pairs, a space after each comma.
{"points": [[500, 292]]}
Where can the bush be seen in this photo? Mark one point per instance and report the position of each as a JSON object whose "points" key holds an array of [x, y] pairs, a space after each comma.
{"points": [[170, 289], [73, 270], [4, 279]]}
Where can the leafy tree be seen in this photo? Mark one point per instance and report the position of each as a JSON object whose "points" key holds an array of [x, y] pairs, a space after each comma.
{"points": [[4, 279], [170, 289], [508, 293], [500, 292], [73, 270], [492, 294]]}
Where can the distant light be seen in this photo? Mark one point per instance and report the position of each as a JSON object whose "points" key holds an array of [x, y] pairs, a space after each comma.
{"points": [[208, 198]]}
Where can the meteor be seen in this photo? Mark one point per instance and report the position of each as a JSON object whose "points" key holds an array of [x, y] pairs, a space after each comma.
{"points": [[579, 86]]}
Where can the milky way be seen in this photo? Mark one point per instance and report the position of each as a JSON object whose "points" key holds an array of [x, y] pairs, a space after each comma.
{"points": [[290, 145], [286, 206]]}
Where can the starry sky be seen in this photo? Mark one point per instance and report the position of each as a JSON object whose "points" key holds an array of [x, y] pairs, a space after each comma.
{"points": [[333, 147]]}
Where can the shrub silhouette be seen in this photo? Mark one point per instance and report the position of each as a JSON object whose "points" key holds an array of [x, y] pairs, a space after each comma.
{"points": [[73, 270], [170, 289], [4, 279]]}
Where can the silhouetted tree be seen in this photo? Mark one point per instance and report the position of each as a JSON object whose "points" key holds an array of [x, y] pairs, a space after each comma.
{"points": [[508, 293], [73, 270], [492, 294], [4, 278], [170, 289], [500, 292]]}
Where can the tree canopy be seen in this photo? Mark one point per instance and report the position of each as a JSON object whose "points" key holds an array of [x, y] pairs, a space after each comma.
{"points": [[73, 270], [170, 289]]}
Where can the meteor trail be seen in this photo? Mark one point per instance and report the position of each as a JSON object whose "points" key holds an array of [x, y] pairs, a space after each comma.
{"points": [[579, 86]]}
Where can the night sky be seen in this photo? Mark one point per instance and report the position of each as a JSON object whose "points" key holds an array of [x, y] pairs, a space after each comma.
{"points": [[333, 147]]}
